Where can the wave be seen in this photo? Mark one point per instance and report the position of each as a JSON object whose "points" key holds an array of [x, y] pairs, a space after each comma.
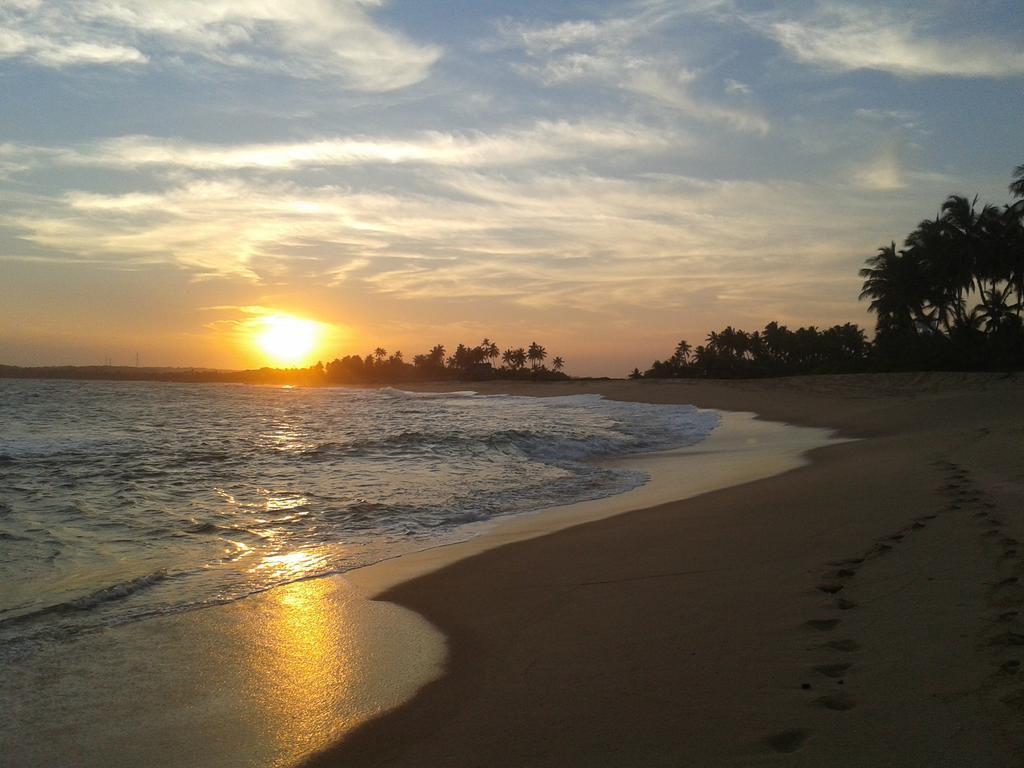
{"points": [[108, 594], [206, 480], [403, 394], [539, 445]]}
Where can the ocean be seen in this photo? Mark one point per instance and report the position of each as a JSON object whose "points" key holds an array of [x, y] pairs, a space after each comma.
{"points": [[125, 501]]}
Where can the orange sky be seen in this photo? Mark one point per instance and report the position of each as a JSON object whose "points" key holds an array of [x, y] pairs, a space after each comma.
{"points": [[603, 178]]}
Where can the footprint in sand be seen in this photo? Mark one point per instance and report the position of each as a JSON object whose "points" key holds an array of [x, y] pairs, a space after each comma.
{"points": [[1014, 700], [839, 702], [789, 740], [833, 670], [843, 645], [844, 604], [848, 561], [1008, 638], [830, 589], [823, 625]]}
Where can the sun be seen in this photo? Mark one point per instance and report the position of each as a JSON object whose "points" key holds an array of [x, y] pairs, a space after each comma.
{"points": [[286, 340]]}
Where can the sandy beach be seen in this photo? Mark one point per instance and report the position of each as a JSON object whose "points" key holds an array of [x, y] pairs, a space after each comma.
{"points": [[859, 610]]}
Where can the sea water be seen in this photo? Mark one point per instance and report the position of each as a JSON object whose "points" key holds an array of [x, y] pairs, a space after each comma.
{"points": [[122, 501]]}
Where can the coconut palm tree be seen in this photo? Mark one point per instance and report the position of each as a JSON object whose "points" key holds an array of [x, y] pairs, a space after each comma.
{"points": [[894, 284], [682, 354], [1017, 185], [518, 358], [558, 363], [536, 354], [490, 349], [948, 275], [436, 355], [380, 353], [1013, 216]]}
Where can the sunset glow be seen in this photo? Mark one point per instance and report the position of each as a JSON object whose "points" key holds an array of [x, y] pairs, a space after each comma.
{"points": [[286, 340], [597, 175]]}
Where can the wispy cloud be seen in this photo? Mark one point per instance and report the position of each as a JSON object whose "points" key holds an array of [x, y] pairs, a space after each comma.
{"points": [[851, 37], [572, 241], [541, 141], [623, 53], [316, 38], [883, 172]]}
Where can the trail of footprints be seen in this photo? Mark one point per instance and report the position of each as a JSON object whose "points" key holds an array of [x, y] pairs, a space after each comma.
{"points": [[826, 684]]}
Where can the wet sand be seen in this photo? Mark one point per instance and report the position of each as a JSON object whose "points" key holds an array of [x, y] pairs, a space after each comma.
{"points": [[859, 610]]}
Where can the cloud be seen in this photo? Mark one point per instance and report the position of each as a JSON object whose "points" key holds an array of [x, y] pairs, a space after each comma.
{"points": [[571, 240], [624, 53], [50, 52], [849, 37], [542, 141], [883, 173], [315, 38], [734, 87]]}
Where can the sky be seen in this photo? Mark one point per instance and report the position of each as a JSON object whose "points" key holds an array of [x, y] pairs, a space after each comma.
{"points": [[604, 178]]}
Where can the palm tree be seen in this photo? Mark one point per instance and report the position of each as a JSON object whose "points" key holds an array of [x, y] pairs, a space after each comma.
{"points": [[948, 275], [558, 363], [536, 354], [681, 357], [965, 230], [893, 283], [380, 353], [490, 349], [436, 356], [1013, 216], [1017, 185], [518, 358], [508, 357]]}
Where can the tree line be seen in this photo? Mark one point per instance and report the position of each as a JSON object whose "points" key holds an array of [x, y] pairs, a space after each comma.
{"points": [[774, 351], [476, 363], [951, 298], [465, 363]]}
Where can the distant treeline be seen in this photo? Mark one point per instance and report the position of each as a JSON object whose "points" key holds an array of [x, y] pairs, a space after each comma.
{"points": [[775, 351], [465, 363], [280, 376], [484, 361], [951, 298]]}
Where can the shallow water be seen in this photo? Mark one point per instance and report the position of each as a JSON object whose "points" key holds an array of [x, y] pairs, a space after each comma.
{"points": [[122, 501]]}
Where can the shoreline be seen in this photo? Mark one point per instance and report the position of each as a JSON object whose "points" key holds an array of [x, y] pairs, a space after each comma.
{"points": [[741, 449], [731, 636]]}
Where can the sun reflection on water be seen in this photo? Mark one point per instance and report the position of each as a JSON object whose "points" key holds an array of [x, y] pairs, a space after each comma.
{"points": [[322, 660], [292, 564], [278, 503]]}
